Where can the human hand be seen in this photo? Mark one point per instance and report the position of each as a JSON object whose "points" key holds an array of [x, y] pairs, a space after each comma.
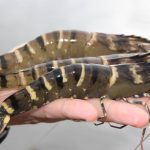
{"points": [[89, 110]]}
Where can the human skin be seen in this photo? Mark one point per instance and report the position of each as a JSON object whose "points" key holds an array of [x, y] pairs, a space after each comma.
{"points": [[89, 110]]}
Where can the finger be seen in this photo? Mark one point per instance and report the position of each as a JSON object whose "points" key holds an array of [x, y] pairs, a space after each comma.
{"points": [[59, 110], [127, 114]]}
